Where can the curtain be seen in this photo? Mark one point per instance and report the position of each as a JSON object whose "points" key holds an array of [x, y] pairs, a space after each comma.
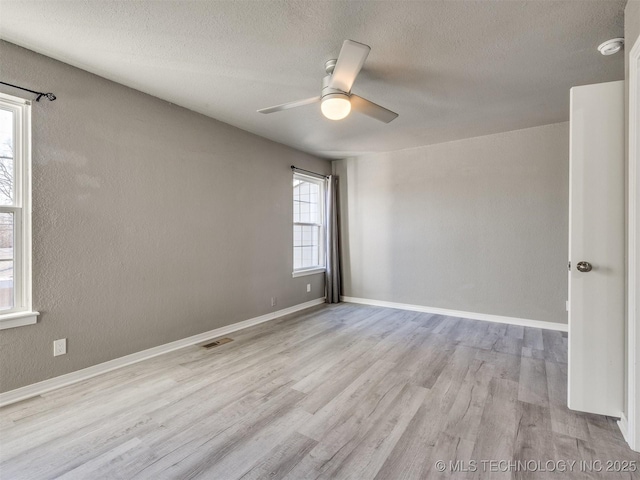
{"points": [[332, 241]]}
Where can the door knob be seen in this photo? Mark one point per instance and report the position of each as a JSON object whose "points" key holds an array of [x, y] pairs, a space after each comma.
{"points": [[584, 267]]}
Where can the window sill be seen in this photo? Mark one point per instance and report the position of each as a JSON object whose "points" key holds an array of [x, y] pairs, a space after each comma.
{"points": [[310, 271], [17, 319]]}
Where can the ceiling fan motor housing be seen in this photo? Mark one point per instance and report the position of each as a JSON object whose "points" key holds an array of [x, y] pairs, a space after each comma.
{"points": [[326, 90]]}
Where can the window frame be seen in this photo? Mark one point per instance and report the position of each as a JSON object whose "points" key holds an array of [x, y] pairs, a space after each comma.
{"points": [[22, 312], [322, 261]]}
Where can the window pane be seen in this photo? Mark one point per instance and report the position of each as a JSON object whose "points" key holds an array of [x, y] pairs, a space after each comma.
{"points": [[6, 157], [297, 258], [306, 202], [297, 235], [6, 261], [306, 246]]}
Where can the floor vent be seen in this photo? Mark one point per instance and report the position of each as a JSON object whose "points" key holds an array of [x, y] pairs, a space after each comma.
{"points": [[218, 342]]}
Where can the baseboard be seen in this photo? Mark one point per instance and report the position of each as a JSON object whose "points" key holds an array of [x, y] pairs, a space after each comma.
{"points": [[623, 425], [39, 388], [524, 322]]}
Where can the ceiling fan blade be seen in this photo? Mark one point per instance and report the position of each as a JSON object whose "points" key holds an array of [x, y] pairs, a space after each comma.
{"points": [[350, 61], [363, 105], [287, 106]]}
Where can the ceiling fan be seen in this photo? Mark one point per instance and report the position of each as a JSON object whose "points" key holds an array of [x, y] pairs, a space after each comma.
{"points": [[336, 99]]}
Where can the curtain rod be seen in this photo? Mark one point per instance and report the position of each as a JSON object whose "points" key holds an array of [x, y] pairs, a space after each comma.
{"points": [[308, 171], [50, 96]]}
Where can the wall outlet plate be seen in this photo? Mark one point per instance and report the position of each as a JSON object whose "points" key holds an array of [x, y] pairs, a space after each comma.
{"points": [[274, 301], [59, 347], [308, 287]]}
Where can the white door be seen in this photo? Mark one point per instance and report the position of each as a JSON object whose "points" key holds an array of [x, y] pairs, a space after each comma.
{"points": [[596, 249], [633, 254]]}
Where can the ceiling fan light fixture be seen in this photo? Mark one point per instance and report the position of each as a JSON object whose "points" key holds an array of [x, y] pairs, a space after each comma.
{"points": [[335, 106]]}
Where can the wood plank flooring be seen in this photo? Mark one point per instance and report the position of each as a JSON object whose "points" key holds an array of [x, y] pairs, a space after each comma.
{"points": [[337, 392]]}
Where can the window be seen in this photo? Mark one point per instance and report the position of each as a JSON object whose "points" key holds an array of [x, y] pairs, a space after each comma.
{"points": [[15, 213], [308, 225]]}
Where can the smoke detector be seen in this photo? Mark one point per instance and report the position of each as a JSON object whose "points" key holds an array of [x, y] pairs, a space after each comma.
{"points": [[611, 46]]}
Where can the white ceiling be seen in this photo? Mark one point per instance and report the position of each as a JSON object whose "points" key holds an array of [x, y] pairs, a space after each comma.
{"points": [[451, 69]]}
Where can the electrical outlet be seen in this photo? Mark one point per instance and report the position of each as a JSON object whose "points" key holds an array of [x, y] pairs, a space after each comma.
{"points": [[59, 347], [274, 301], [308, 287]]}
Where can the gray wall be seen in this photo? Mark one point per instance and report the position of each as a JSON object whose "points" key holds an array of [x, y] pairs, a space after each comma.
{"points": [[479, 225], [151, 223]]}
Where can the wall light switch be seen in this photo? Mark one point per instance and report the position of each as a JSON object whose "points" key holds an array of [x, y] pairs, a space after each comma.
{"points": [[274, 301], [59, 347], [308, 287]]}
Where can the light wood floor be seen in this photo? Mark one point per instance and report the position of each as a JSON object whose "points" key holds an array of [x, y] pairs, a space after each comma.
{"points": [[340, 391]]}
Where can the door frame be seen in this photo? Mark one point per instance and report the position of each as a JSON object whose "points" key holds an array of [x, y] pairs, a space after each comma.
{"points": [[631, 428]]}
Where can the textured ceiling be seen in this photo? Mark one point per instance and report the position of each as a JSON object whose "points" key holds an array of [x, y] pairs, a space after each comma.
{"points": [[451, 69]]}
